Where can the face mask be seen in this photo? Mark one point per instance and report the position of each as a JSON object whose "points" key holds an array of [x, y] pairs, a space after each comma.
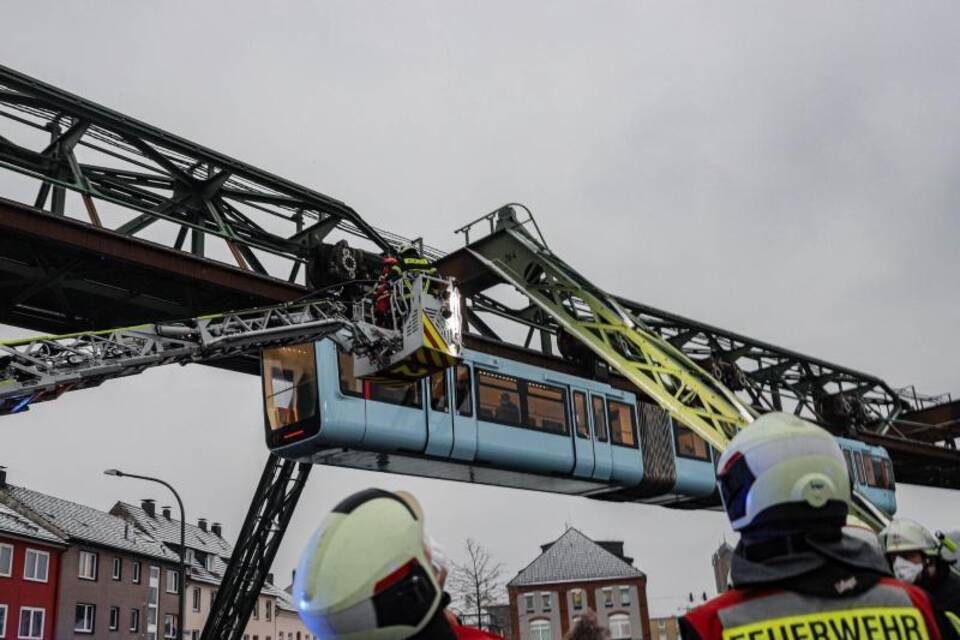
{"points": [[906, 570]]}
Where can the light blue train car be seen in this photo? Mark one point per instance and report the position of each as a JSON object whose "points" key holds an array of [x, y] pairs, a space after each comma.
{"points": [[494, 420]]}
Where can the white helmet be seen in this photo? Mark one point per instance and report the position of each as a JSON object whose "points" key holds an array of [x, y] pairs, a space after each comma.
{"points": [[407, 247], [783, 467], [904, 535], [365, 572]]}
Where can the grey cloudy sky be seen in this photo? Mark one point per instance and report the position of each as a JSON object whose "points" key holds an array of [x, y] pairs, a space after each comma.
{"points": [[787, 170]]}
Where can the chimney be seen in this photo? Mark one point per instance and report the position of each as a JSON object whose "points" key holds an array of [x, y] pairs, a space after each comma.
{"points": [[202, 523], [216, 529], [3, 477], [166, 512], [149, 506]]}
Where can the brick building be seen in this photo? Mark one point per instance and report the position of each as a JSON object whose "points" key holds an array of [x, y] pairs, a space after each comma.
{"points": [[29, 572], [665, 628], [573, 574], [208, 552], [113, 581]]}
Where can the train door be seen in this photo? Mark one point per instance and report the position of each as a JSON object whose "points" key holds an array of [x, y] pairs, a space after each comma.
{"points": [[603, 456], [342, 408], [439, 415], [582, 440], [396, 420], [464, 414]]}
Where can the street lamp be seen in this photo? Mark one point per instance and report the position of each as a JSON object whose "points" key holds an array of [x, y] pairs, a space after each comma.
{"points": [[183, 539]]}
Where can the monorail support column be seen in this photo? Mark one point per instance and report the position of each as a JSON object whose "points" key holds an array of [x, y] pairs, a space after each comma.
{"points": [[270, 511]]}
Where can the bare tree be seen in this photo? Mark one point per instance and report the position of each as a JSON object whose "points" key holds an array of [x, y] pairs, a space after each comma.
{"points": [[476, 583]]}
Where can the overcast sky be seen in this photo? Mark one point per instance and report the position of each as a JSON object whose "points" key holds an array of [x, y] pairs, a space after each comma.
{"points": [[786, 170]]}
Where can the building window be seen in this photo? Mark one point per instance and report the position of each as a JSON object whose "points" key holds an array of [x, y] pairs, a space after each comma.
{"points": [[545, 598], [268, 609], [256, 609], [3, 621], [624, 596], [31, 623], [83, 618], [88, 565], [196, 598], [135, 620], [114, 618], [189, 556], [117, 568], [619, 624], [662, 624], [607, 597], [528, 602], [540, 630], [577, 597], [169, 625], [136, 572], [6, 560], [35, 565], [210, 561], [213, 597], [173, 581]]}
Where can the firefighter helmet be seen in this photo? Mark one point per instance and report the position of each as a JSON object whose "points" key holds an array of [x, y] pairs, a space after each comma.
{"points": [[366, 573], [903, 535], [785, 468]]}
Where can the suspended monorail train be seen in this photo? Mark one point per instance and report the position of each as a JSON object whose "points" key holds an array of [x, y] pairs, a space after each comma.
{"points": [[496, 419]]}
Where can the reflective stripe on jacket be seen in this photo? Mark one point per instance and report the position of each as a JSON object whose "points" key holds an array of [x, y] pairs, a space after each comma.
{"points": [[890, 610]]}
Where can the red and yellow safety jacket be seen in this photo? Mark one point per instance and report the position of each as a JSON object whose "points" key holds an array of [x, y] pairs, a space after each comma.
{"points": [[887, 610]]}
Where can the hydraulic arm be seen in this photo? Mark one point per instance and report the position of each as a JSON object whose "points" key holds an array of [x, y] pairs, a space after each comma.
{"points": [[39, 369], [597, 321]]}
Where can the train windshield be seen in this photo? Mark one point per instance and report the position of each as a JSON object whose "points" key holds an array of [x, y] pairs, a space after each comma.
{"points": [[289, 384]]}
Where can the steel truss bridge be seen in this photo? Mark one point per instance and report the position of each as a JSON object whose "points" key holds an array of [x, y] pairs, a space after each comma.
{"points": [[109, 221]]}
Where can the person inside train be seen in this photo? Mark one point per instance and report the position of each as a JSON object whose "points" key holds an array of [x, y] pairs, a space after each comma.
{"points": [[916, 556], [369, 572], [508, 411], [795, 574]]}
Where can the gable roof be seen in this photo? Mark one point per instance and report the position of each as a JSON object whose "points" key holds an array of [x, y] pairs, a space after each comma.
{"points": [[82, 523], [167, 530], [574, 556], [16, 524]]}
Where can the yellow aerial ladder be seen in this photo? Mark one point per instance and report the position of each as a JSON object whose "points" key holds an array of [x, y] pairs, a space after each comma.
{"points": [[515, 250]]}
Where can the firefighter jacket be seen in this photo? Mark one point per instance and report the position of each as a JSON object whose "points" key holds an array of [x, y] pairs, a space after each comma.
{"points": [[838, 590]]}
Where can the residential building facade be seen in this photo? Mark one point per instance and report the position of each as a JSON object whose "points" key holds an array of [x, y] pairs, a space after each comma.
{"points": [[29, 571], [111, 580], [570, 576], [665, 628]]}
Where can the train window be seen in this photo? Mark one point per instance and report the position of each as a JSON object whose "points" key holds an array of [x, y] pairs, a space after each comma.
{"points": [[439, 398], [846, 458], [888, 467], [599, 419], [877, 470], [289, 384], [580, 414], [349, 384], [498, 398], [464, 390], [689, 444], [405, 395], [546, 408], [868, 470], [623, 423], [858, 459]]}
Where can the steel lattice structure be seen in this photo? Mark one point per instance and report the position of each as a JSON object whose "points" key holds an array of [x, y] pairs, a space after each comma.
{"points": [[152, 176]]}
